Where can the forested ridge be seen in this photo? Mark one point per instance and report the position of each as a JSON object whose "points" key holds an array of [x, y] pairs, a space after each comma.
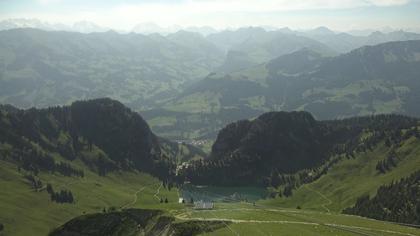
{"points": [[292, 148], [275, 149], [102, 133]]}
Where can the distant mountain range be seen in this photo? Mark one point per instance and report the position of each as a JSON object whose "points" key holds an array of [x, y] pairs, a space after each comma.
{"points": [[369, 80], [90, 27], [152, 28], [189, 85], [44, 68], [81, 26], [345, 42]]}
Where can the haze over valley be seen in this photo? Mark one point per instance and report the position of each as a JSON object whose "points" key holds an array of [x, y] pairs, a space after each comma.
{"points": [[209, 117]]}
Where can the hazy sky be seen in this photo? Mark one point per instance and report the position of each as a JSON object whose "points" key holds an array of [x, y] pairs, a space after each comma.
{"points": [[336, 14]]}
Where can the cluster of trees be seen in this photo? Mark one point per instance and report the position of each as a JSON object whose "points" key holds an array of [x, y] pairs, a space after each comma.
{"points": [[293, 181], [164, 201], [388, 163], [397, 202], [378, 127], [34, 160], [29, 157], [35, 182], [67, 170], [62, 196], [394, 139]]}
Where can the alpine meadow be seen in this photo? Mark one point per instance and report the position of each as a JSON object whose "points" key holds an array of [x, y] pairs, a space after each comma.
{"points": [[209, 117]]}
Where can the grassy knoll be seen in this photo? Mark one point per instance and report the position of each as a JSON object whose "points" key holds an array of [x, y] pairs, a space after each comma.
{"points": [[351, 178], [26, 212]]}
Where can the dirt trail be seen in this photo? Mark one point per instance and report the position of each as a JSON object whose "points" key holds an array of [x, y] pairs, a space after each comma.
{"points": [[227, 226], [323, 196], [157, 192], [339, 226], [134, 199]]}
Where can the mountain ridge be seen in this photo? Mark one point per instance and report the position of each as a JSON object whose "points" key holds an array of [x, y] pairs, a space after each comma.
{"points": [[102, 133], [284, 143], [370, 80]]}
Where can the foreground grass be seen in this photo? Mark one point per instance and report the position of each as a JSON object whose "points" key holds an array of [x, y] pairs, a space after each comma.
{"points": [[26, 212], [246, 219]]}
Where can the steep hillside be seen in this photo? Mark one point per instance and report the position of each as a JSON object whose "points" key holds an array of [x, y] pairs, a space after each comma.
{"points": [[354, 176], [24, 204], [276, 147], [397, 202], [89, 157], [102, 133], [395, 61], [287, 142]]}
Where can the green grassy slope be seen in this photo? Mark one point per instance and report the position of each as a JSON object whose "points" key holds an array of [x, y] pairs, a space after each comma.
{"points": [[351, 178], [26, 212]]}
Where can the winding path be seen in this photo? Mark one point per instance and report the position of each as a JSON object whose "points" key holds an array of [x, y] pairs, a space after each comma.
{"points": [[352, 229], [134, 199], [227, 226], [323, 196], [157, 192]]}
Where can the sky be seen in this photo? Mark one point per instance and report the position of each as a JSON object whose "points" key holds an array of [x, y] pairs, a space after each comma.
{"points": [[342, 15]]}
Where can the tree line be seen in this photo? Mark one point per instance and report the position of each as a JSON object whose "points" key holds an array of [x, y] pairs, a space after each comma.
{"points": [[397, 202], [62, 196]]}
